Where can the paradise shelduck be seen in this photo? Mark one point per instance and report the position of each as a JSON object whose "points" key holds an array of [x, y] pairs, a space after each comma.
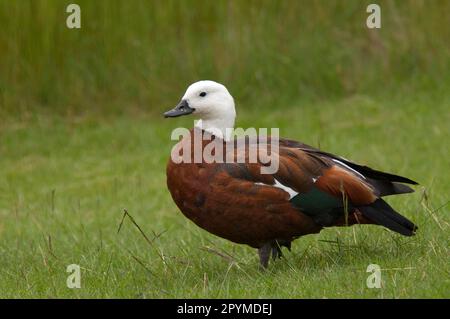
{"points": [[311, 189]]}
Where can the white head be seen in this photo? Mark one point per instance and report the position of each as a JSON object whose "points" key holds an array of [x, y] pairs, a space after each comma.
{"points": [[211, 103]]}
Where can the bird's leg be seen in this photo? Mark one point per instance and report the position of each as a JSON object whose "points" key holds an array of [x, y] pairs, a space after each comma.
{"points": [[272, 247], [276, 250], [264, 254]]}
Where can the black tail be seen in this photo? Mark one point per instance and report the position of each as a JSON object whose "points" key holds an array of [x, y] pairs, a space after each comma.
{"points": [[383, 183], [385, 188], [379, 175], [365, 170], [383, 214]]}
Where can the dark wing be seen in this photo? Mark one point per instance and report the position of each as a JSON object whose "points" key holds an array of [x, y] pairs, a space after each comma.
{"points": [[328, 188], [383, 183]]}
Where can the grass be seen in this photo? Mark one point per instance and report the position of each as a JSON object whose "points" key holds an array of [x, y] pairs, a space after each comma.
{"points": [[64, 184], [82, 139], [136, 58]]}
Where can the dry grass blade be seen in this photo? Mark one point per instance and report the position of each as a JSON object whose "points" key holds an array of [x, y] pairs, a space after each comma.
{"points": [[140, 262], [205, 282], [50, 247], [218, 253], [121, 222], [150, 242], [405, 268], [426, 206]]}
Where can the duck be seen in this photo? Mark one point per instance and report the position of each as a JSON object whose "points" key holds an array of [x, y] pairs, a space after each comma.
{"points": [[309, 191]]}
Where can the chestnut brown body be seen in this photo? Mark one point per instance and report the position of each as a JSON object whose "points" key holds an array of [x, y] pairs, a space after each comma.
{"points": [[237, 202]]}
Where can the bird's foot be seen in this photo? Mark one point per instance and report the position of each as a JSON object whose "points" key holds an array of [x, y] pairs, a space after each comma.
{"points": [[270, 248]]}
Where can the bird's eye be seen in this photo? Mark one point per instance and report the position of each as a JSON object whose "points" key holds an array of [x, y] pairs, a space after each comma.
{"points": [[202, 94]]}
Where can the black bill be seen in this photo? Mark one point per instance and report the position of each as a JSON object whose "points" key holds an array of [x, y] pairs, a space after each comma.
{"points": [[182, 108]]}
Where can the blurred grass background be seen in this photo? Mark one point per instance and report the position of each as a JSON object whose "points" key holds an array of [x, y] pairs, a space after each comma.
{"points": [[82, 137], [135, 57]]}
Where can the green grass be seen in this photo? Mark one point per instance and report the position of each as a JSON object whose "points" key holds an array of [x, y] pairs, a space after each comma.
{"points": [[134, 58], [64, 184]]}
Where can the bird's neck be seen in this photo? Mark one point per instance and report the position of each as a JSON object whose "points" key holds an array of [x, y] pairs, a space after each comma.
{"points": [[220, 127]]}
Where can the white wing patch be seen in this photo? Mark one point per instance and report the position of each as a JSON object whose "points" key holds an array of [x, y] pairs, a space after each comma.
{"points": [[289, 190], [349, 168]]}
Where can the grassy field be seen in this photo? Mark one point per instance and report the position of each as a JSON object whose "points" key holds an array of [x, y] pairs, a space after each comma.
{"points": [[136, 58], [64, 185], [82, 138]]}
